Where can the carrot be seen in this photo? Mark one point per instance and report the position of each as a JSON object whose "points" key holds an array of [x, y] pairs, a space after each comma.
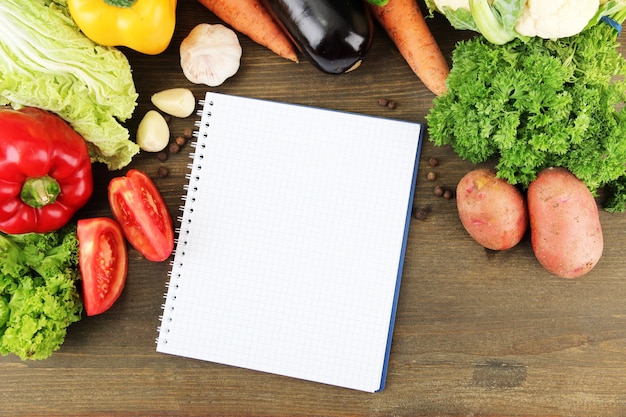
{"points": [[252, 19], [404, 23]]}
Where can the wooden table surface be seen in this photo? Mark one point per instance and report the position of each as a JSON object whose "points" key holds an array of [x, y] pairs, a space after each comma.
{"points": [[477, 333]]}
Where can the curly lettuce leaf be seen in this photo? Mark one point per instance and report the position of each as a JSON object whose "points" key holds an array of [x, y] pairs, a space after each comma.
{"points": [[38, 294], [47, 62]]}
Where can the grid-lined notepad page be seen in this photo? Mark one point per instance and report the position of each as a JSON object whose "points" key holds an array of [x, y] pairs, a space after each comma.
{"points": [[292, 241]]}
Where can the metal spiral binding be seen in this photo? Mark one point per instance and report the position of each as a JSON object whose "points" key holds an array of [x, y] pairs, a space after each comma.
{"points": [[183, 230]]}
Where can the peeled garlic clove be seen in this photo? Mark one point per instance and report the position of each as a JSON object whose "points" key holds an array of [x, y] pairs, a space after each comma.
{"points": [[177, 102], [153, 133], [210, 54]]}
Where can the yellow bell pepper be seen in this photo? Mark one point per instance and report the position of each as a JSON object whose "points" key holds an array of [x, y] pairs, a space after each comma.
{"points": [[147, 26]]}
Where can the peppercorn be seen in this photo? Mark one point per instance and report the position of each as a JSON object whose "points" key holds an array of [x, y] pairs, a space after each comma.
{"points": [[447, 194], [421, 213], [431, 176], [174, 147], [162, 156], [163, 171], [433, 162], [188, 133], [180, 141], [384, 102], [439, 190], [391, 104]]}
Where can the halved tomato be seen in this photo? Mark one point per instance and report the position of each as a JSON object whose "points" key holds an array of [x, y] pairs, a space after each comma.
{"points": [[139, 207], [103, 262]]}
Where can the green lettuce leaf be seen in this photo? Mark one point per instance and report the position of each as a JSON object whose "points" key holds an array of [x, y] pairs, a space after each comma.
{"points": [[39, 298], [47, 62]]}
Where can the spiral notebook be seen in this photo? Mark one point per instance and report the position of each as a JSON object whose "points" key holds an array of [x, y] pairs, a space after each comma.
{"points": [[292, 240]]}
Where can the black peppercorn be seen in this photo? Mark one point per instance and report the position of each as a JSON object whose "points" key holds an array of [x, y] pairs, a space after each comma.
{"points": [[174, 147], [163, 171], [421, 213], [188, 133]]}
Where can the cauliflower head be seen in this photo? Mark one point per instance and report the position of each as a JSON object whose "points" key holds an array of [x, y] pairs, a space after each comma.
{"points": [[501, 21], [556, 18]]}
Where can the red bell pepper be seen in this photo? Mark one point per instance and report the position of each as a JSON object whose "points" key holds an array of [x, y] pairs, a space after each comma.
{"points": [[45, 171]]}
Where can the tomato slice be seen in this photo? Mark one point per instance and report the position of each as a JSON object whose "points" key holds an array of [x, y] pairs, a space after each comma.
{"points": [[103, 262], [139, 207]]}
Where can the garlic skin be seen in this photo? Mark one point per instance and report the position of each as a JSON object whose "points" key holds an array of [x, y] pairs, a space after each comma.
{"points": [[210, 54]]}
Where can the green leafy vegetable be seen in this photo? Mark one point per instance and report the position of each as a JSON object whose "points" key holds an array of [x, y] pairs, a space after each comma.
{"points": [[496, 20], [47, 62], [38, 294], [539, 103], [500, 21], [378, 2]]}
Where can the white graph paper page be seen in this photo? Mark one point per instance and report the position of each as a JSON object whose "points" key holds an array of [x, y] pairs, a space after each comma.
{"points": [[292, 241]]}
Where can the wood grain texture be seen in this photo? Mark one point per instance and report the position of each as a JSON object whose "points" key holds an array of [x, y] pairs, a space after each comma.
{"points": [[478, 333]]}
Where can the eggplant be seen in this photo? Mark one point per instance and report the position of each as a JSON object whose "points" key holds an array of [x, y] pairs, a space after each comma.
{"points": [[334, 35]]}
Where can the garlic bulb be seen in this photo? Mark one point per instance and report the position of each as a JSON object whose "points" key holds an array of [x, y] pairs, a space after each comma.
{"points": [[210, 54]]}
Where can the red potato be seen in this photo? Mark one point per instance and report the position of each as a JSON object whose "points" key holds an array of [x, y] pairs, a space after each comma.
{"points": [[566, 234], [492, 211]]}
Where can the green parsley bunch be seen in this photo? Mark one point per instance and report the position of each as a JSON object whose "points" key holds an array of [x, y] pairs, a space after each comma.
{"points": [[535, 103]]}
